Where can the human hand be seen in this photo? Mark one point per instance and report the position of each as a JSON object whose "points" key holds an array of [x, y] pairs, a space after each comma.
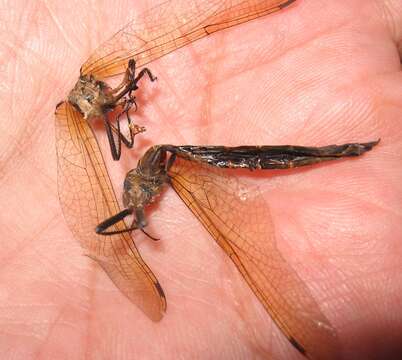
{"points": [[314, 74]]}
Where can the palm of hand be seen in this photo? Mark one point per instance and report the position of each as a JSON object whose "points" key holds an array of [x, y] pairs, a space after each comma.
{"points": [[319, 74]]}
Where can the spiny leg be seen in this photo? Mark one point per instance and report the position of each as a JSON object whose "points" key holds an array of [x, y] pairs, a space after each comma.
{"points": [[127, 100], [101, 229], [131, 80], [110, 128], [134, 129], [115, 150], [128, 77], [142, 73]]}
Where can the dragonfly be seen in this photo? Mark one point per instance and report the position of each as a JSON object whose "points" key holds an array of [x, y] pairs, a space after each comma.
{"points": [[239, 221], [85, 191], [160, 31]]}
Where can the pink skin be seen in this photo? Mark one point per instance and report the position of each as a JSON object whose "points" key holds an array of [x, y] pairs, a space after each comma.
{"points": [[320, 72]]}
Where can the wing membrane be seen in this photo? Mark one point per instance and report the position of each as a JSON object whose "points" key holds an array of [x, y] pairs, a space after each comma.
{"points": [[87, 198], [240, 222], [166, 28]]}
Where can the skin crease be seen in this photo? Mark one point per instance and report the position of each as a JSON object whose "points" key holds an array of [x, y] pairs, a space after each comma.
{"points": [[315, 74]]}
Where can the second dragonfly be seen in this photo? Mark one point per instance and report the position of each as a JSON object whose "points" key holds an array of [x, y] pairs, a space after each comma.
{"points": [[239, 221]]}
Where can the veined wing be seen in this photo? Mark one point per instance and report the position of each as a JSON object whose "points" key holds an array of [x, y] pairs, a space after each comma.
{"points": [[87, 198], [240, 222], [166, 28]]}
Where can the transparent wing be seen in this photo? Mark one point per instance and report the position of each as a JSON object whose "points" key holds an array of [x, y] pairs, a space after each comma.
{"points": [[166, 28], [240, 222], [87, 198]]}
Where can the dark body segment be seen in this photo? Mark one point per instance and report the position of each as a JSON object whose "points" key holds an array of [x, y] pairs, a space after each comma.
{"points": [[268, 157]]}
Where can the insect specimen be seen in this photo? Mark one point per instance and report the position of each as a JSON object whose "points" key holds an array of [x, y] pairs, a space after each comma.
{"points": [[85, 192], [239, 221], [161, 31]]}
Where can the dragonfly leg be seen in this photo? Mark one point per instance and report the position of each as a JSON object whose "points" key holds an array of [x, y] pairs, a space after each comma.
{"points": [[129, 83], [126, 79], [151, 237], [101, 229], [110, 128], [129, 77], [134, 129], [126, 99], [132, 69], [144, 72], [140, 222]]}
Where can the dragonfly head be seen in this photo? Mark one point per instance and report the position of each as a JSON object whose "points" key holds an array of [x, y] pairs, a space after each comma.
{"points": [[135, 195], [141, 190], [90, 96]]}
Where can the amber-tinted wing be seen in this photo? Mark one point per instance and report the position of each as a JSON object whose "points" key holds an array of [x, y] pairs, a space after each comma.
{"points": [[166, 28], [239, 220], [87, 198]]}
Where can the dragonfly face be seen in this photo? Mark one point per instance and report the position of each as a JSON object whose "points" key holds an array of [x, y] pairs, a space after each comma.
{"points": [[91, 97], [144, 183], [141, 190]]}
